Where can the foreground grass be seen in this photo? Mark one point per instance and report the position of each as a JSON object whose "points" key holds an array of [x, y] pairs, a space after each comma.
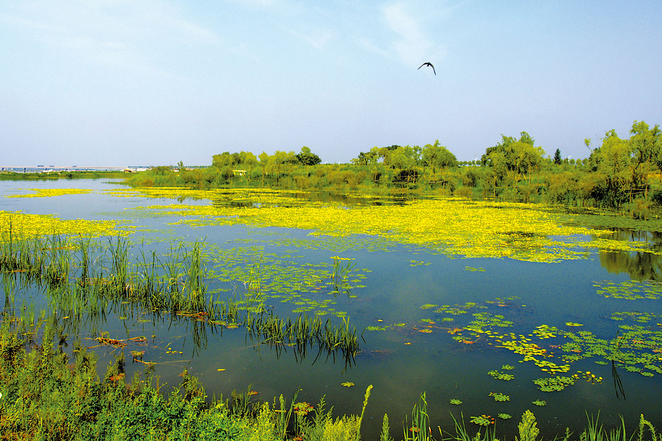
{"points": [[48, 394]]}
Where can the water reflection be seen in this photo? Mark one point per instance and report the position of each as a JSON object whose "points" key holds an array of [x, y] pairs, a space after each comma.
{"points": [[639, 265]]}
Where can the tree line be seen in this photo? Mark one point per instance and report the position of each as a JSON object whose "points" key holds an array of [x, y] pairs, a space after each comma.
{"points": [[619, 174]]}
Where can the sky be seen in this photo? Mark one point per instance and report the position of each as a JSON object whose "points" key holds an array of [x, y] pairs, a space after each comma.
{"points": [[156, 82]]}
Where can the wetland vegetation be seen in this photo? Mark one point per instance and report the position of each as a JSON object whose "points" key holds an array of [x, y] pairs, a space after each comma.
{"points": [[338, 313], [620, 174]]}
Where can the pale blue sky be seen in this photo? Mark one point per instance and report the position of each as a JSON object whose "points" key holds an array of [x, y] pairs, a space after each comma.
{"points": [[154, 82]]}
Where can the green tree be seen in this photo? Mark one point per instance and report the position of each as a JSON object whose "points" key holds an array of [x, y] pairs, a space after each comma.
{"points": [[513, 158], [646, 145], [614, 175], [557, 157], [437, 156], [306, 157], [223, 160], [401, 157], [265, 164]]}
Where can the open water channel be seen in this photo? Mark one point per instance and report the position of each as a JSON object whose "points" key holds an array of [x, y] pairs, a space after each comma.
{"points": [[464, 330]]}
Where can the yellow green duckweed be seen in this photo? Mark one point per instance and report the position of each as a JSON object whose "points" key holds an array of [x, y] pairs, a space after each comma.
{"points": [[455, 227]]}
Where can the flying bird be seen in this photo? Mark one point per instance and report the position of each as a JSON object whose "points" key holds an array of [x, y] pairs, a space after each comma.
{"points": [[427, 63]]}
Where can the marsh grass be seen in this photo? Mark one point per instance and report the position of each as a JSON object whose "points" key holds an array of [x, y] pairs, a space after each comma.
{"points": [[49, 393], [342, 269], [420, 422], [84, 278]]}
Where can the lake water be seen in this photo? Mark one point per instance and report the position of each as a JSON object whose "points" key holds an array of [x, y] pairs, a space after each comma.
{"points": [[417, 309]]}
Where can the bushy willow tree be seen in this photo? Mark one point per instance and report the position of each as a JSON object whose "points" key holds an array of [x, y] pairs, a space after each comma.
{"points": [[623, 165], [437, 157], [407, 163], [513, 158]]}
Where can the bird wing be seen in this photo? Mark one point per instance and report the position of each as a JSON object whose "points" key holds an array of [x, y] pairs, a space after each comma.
{"points": [[427, 63]]}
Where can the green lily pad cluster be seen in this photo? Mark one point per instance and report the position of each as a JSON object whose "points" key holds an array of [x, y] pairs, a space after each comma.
{"points": [[556, 383], [498, 396], [376, 328], [502, 302], [470, 268], [637, 349], [500, 375], [279, 277], [482, 420], [630, 289], [640, 317], [545, 331], [485, 321], [428, 306], [458, 309]]}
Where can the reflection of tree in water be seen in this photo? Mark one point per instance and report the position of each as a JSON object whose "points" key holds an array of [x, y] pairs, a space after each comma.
{"points": [[639, 265]]}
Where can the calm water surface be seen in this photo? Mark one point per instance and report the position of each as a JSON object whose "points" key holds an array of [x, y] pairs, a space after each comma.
{"points": [[400, 362]]}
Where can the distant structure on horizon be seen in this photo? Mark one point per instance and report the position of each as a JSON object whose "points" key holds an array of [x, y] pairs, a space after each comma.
{"points": [[53, 169]]}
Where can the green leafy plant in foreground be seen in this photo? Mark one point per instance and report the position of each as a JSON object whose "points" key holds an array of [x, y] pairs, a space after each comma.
{"points": [[47, 394], [420, 422], [528, 427]]}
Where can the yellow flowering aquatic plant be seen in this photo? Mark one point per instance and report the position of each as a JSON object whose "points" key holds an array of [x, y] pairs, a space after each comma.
{"points": [[49, 192], [456, 227], [22, 225]]}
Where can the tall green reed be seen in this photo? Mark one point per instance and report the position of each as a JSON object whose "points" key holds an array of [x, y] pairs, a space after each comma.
{"points": [[84, 279]]}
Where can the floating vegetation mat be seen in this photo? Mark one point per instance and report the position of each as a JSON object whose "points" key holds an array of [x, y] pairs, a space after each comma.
{"points": [[49, 192], [22, 225], [455, 227], [630, 289], [635, 346], [280, 278], [237, 197]]}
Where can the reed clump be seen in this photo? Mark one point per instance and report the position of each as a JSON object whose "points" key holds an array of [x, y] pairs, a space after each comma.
{"points": [[304, 333]]}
